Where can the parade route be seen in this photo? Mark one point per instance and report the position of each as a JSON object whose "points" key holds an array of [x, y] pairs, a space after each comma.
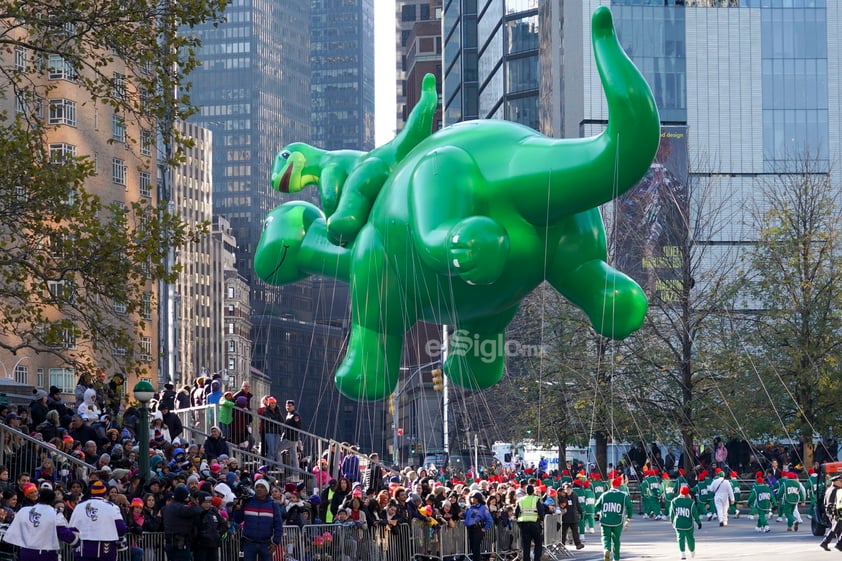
{"points": [[655, 541]]}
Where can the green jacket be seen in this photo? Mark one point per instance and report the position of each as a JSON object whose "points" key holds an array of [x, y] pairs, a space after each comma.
{"points": [[613, 507], [683, 513], [790, 491], [226, 411], [761, 497]]}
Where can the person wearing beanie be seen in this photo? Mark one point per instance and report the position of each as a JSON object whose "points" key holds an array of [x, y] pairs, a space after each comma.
{"points": [[179, 518], [261, 533], [210, 528], [615, 512], [37, 530], [30, 493], [703, 494], [685, 518], [790, 492], [100, 524], [529, 514], [761, 499], [734, 510]]}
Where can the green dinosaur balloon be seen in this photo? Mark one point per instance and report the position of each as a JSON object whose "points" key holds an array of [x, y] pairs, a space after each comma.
{"points": [[468, 223], [349, 180]]}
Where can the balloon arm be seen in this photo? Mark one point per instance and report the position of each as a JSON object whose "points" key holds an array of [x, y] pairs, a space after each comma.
{"points": [[320, 257]]}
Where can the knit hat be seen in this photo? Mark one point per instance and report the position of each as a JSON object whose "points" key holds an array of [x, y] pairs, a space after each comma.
{"points": [[98, 489], [29, 488], [137, 501], [181, 493], [262, 483]]}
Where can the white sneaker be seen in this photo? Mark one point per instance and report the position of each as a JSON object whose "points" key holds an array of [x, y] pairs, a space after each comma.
{"points": [[779, 519], [683, 556], [766, 529], [758, 529], [693, 554], [737, 515]]}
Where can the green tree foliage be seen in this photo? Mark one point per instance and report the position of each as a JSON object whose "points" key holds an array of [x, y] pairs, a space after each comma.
{"points": [[794, 283], [77, 272]]}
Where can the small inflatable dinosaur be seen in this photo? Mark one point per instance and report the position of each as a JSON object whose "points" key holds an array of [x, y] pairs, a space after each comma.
{"points": [[348, 180], [472, 220]]}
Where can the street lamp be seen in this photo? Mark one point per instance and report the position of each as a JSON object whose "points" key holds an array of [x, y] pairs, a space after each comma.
{"points": [[143, 393]]}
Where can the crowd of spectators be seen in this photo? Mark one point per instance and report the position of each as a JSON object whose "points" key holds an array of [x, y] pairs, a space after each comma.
{"points": [[346, 488]]}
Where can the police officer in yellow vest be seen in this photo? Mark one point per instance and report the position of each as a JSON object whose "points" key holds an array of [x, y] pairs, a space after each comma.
{"points": [[530, 518]]}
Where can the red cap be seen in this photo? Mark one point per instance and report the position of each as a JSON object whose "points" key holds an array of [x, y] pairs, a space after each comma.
{"points": [[680, 471], [587, 484], [760, 479], [617, 481], [217, 502], [685, 490], [792, 475], [595, 476]]}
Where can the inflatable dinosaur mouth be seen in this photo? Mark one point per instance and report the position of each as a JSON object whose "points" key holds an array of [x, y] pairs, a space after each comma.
{"points": [[281, 262], [283, 187]]}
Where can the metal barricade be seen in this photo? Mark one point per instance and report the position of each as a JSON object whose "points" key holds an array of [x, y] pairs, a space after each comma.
{"points": [[507, 540], [337, 542], [554, 538]]}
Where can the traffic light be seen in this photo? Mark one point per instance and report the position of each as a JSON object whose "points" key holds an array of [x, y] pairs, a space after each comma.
{"points": [[390, 405], [438, 380]]}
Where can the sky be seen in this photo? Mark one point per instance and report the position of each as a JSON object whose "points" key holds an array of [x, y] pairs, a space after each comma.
{"points": [[384, 71]]}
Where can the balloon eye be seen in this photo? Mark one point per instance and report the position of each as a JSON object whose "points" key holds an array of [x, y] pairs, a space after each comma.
{"points": [[285, 155], [267, 221]]}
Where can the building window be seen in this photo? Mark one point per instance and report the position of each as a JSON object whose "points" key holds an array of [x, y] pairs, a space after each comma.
{"points": [[62, 291], [145, 184], [146, 306], [408, 12], [61, 152], [232, 346], [118, 128], [40, 382], [120, 307], [60, 69], [68, 339], [145, 349], [147, 140], [230, 328], [119, 86], [20, 59], [63, 378], [21, 374], [118, 171], [62, 112], [119, 350], [230, 291], [232, 363]]}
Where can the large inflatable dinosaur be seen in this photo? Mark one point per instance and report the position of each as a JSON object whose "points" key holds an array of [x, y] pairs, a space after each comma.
{"points": [[468, 223]]}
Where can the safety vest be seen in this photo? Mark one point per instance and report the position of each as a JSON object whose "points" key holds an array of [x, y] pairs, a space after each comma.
{"points": [[528, 509]]}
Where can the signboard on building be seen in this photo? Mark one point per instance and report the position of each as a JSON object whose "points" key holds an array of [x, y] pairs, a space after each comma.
{"points": [[651, 220]]}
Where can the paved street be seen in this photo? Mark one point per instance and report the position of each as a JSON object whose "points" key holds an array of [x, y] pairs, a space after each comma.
{"points": [[655, 541]]}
